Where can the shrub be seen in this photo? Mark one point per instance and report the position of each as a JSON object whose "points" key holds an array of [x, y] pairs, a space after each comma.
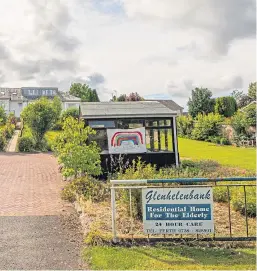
{"points": [[224, 141], [2, 115], [75, 153], [12, 119], [250, 114], [225, 106], [88, 187], [26, 144], [185, 126], [240, 124], [207, 126], [8, 130], [70, 112], [2, 141]]}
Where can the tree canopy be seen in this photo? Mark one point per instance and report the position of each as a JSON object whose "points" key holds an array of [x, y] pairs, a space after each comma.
{"points": [[225, 106], [133, 96], [84, 92], [40, 116], [200, 102], [252, 91]]}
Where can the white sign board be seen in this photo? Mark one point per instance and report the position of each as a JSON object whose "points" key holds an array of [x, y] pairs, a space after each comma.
{"points": [[126, 140], [178, 210]]}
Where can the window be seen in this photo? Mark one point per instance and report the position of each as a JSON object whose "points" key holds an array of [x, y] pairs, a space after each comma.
{"points": [[101, 123], [130, 123], [100, 138]]}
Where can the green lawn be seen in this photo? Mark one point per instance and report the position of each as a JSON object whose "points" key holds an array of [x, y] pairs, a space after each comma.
{"points": [[226, 155], [169, 258]]}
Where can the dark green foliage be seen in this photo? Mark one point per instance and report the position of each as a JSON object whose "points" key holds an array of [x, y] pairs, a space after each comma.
{"points": [[84, 92], [8, 130], [132, 97], [185, 126], [240, 124], [225, 106], [39, 116], [11, 118], [26, 143], [252, 91], [2, 141], [250, 113], [200, 102], [70, 112], [2, 115], [207, 126]]}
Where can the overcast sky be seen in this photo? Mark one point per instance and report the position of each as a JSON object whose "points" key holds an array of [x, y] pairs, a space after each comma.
{"points": [[158, 48]]}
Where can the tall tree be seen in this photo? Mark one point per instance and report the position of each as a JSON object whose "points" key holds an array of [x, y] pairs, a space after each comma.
{"points": [[200, 102], [84, 92], [252, 91], [225, 106]]}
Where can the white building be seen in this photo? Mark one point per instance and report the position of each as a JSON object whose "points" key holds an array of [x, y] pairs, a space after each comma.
{"points": [[15, 99]]}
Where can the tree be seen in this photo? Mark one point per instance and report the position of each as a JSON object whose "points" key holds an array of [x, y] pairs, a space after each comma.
{"points": [[84, 92], [74, 153], [242, 99], [225, 106], [207, 126], [200, 102], [240, 124], [39, 116], [3, 116], [57, 106], [70, 112], [132, 97], [250, 113], [252, 91]]}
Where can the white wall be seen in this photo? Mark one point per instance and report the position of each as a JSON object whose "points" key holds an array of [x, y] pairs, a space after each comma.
{"points": [[67, 105], [16, 107]]}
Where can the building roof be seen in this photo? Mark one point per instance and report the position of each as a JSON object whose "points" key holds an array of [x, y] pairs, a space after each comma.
{"points": [[66, 97], [109, 110], [13, 94], [170, 104], [33, 93]]}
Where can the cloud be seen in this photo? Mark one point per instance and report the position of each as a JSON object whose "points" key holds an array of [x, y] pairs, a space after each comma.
{"points": [[156, 48], [220, 21], [96, 79]]}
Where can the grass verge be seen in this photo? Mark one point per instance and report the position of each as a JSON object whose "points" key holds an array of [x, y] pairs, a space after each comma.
{"points": [[169, 258], [244, 158]]}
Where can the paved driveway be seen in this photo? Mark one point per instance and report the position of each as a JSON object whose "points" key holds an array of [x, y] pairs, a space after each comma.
{"points": [[37, 230]]}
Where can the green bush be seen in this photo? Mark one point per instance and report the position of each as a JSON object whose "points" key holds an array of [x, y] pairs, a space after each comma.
{"points": [[70, 112], [2, 141], [8, 130], [207, 126], [224, 141], [88, 187], [26, 144], [225, 106], [12, 119], [250, 113], [240, 124], [2, 115], [185, 126]]}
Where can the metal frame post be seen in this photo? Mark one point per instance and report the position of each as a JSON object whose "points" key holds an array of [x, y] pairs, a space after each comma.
{"points": [[175, 140], [113, 206]]}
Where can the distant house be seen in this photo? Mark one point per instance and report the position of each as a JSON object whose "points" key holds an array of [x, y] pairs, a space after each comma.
{"points": [[15, 99], [171, 105]]}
